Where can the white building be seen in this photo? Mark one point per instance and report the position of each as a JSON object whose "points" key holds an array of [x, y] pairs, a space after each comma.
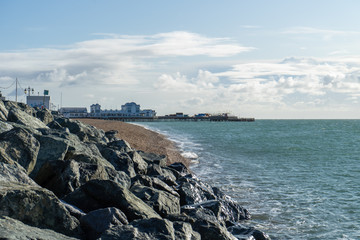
{"points": [[38, 101], [74, 112], [128, 110]]}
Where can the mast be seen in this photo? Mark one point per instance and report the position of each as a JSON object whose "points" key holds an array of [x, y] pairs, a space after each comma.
{"points": [[16, 90]]}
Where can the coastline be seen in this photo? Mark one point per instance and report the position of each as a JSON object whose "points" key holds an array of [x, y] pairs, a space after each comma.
{"points": [[141, 138]]}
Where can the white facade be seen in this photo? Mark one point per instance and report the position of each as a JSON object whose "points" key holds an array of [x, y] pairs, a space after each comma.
{"points": [[38, 101], [128, 110], [74, 112]]}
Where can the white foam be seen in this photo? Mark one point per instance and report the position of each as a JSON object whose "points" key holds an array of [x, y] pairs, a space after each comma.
{"points": [[189, 155]]}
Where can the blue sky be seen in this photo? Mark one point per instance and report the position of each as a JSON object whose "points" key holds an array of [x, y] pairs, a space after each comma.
{"points": [[263, 59]]}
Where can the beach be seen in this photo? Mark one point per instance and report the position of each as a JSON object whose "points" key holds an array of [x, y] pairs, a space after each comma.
{"points": [[140, 138]]}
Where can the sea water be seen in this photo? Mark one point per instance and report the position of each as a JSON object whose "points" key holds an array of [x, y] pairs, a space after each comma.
{"points": [[300, 179]]}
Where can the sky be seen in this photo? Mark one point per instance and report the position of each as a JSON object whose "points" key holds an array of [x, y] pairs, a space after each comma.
{"points": [[296, 59]]}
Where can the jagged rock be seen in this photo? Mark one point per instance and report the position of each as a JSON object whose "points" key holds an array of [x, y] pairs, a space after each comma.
{"points": [[156, 170], [74, 211], [3, 111], [37, 207], [193, 191], [120, 145], [205, 222], [21, 106], [85, 132], [111, 135], [45, 116], [18, 116], [96, 222], [180, 168], [16, 230], [14, 173], [226, 211], [246, 233], [153, 158], [97, 194], [120, 160], [162, 202], [154, 182], [183, 230], [4, 127], [63, 177], [144, 229], [18, 145], [140, 165]]}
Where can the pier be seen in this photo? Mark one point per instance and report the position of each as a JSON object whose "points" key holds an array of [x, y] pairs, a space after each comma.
{"points": [[170, 118]]}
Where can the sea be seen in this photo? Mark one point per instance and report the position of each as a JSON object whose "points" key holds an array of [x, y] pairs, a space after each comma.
{"points": [[300, 179]]}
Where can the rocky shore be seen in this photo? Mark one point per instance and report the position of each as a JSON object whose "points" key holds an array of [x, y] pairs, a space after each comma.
{"points": [[64, 179]]}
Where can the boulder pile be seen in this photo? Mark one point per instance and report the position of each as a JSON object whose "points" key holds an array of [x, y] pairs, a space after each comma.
{"points": [[62, 179]]}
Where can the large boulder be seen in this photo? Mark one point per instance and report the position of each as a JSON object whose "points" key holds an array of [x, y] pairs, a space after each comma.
{"points": [[97, 194], [21, 106], [140, 165], [144, 229], [154, 182], [63, 177], [162, 202], [120, 160], [183, 230], [45, 116], [18, 116], [18, 145], [37, 207], [120, 145], [16, 230], [96, 222], [14, 173], [245, 233], [153, 158]]}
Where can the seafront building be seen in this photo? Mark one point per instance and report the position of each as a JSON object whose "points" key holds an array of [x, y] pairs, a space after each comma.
{"points": [[128, 110], [74, 112]]}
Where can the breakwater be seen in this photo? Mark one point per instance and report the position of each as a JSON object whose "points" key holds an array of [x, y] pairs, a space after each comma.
{"points": [[62, 179]]}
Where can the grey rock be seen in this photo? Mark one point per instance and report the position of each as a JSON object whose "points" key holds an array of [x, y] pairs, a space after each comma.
{"points": [[111, 135], [96, 222], [154, 182], [3, 111], [120, 160], [156, 170], [37, 207], [180, 168], [97, 194], [18, 145], [63, 177], [45, 116], [153, 158], [16, 230], [4, 127], [120, 145], [162, 202], [18, 116], [21, 106], [183, 230], [246, 233], [140, 165], [14, 173]]}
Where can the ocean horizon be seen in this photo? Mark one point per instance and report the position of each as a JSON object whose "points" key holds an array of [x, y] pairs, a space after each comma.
{"points": [[300, 179]]}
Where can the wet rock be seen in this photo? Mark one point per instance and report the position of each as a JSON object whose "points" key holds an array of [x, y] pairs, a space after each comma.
{"points": [[96, 222], [97, 194], [18, 116], [144, 229], [18, 145], [153, 158], [63, 177], [162, 202], [16, 230], [245, 233], [37, 207]]}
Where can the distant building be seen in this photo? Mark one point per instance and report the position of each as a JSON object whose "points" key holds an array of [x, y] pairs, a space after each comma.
{"points": [[128, 110], [38, 101], [74, 112]]}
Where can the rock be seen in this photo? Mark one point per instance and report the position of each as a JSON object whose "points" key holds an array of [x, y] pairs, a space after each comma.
{"points": [[45, 116], [180, 168], [21, 106], [140, 165], [85, 132], [96, 222], [120, 160], [4, 127], [156, 170], [111, 135], [37, 207], [97, 194], [162, 202], [144, 229], [153, 158], [120, 145], [74, 211], [193, 191], [183, 230], [18, 145], [16, 230], [245, 233], [14, 173], [3, 111], [63, 177], [18, 116], [226, 211], [154, 182], [205, 222]]}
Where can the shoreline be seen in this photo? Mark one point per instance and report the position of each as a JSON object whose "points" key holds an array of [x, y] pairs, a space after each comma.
{"points": [[141, 138]]}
